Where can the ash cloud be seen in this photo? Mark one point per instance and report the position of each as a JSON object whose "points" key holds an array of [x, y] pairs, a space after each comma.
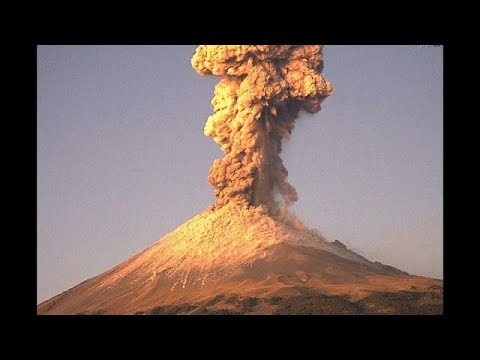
{"points": [[260, 94]]}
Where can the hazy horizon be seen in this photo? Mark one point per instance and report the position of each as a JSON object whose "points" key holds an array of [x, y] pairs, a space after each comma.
{"points": [[122, 159]]}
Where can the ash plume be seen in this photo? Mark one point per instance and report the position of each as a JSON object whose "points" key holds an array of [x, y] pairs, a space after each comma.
{"points": [[261, 91]]}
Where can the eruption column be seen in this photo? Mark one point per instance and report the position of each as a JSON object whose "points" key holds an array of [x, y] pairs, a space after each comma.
{"points": [[261, 91]]}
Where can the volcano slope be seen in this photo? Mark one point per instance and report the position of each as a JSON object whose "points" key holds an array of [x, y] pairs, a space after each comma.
{"points": [[239, 260]]}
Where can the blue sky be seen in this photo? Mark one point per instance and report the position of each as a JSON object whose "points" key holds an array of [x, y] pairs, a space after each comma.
{"points": [[122, 158]]}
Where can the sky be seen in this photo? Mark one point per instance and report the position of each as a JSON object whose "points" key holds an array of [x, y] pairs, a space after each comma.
{"points": [[122, 159]]}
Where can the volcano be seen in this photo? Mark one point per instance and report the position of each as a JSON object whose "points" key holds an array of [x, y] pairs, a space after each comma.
{"points": [[247, 254], [241, 260]]}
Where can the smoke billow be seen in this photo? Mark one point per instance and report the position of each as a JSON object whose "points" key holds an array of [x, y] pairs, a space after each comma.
{"points": [[261, 91]]}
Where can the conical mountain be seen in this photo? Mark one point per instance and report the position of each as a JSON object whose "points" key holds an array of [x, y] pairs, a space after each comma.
{"points": [[240, 260]]}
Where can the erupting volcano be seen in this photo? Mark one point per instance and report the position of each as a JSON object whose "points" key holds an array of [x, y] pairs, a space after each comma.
{"points": [[247, 254]]}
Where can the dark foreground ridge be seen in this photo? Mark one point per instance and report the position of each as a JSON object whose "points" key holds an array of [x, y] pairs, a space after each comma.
{"points": [[309, 302]]}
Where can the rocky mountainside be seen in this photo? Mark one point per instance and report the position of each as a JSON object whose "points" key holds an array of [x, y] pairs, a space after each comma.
{"points": [[240, 260]]}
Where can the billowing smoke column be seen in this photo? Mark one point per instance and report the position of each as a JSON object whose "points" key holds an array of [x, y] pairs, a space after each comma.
{"points": [[261, 91]]}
